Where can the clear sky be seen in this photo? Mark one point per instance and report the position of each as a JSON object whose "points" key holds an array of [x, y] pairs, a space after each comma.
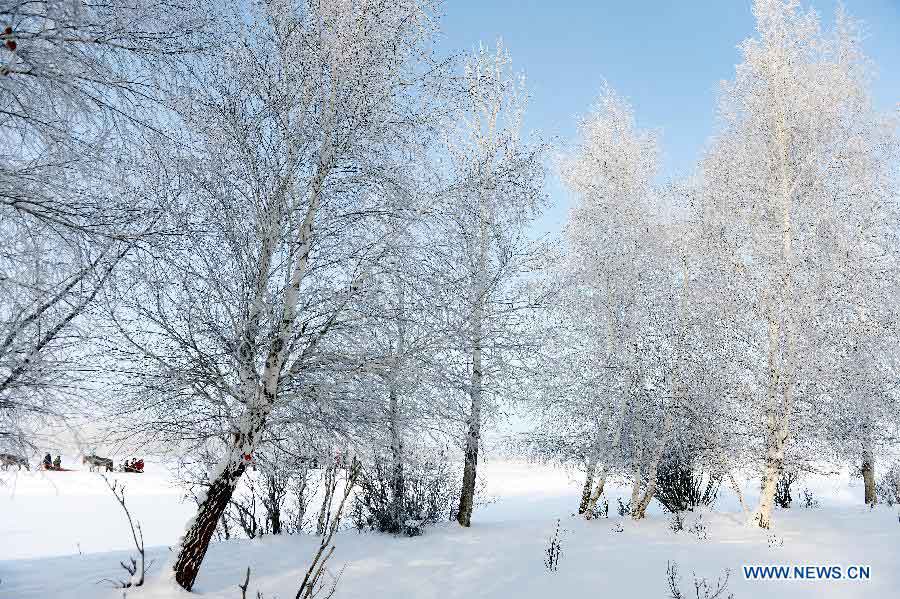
{"points": [[666, 56]]}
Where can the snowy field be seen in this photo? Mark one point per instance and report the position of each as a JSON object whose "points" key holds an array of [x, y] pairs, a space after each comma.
{"points": [[63, 533]]}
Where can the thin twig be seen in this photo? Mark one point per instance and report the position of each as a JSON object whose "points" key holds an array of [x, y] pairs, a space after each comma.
{"points": [[137, 536]]}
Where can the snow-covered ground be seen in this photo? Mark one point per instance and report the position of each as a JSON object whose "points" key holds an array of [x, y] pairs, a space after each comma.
{"points": [[48, 518]]}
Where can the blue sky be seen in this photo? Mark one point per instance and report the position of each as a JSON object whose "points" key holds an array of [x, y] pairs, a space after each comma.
{"points": [[666, 57]]}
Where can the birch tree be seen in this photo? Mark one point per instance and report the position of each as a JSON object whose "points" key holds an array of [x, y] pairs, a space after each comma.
{"points": [[625, 278], [494, 191], [291, 141], [782, 183]]}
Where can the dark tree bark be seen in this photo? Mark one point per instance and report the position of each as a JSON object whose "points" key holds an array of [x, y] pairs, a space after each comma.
{"points": [[467, 497], [196, 539], [275, 521], [588, 487], [868, 473], [473, 434]]}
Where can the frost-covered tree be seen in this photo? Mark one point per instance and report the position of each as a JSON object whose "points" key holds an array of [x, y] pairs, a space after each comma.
{"points": [[614, 254], [617, 307], [493, 192], [78, 81], [793, 205], [403, 330], [292, 158], [626, 377]]}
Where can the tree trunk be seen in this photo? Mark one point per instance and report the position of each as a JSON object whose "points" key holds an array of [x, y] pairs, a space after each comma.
{"points": [[740, 495], [640, 510], [397, 482], [774, 467], [776, 428], [782, 364], [196, 540], [868, 473], [588, 487], [636, 483], [275, 514], [595, 496], [329, 475], [467, 496], [473, 434], [639, 504], [300, 494]]}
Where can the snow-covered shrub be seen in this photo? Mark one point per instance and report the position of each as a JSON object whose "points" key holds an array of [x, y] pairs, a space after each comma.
{"points": [[260, 505], [887, 489], [676, 523], [809, 500], [553, 551], [698, 529], [246, 511], [624, 509], [681, 485], [702, 588], [136, 574], [422, 494], [783, 497], [601, 510]]}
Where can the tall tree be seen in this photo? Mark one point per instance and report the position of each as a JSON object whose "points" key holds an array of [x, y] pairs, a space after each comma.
{"points": [[624, 284], [495, 190], [293, 145], [781, 188]]}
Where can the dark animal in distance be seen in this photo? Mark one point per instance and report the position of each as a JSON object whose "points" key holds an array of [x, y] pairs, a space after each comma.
{"points": [[8, 459], [97, 462]]}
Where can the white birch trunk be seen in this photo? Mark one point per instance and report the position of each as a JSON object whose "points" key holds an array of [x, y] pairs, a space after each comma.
{"points": [[260, 397], [639, 504], [473, 432], [782, 364]]}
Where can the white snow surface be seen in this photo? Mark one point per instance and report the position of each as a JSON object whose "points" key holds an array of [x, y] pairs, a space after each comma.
{"points": [[48, 517]]}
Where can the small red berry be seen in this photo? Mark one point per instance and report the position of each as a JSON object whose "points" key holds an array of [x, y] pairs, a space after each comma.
{"points": [[11, 44]]}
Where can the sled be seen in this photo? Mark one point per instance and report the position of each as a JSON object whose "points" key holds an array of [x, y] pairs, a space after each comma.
{"points": [[135, 468]]}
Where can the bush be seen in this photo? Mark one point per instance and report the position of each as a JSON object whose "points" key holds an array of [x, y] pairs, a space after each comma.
{"points": [[600, 511], [681, 486], [698, 529], [887, 489], [553, 551], [783, 497], [424, 494], [702, 588], [809, 500]]}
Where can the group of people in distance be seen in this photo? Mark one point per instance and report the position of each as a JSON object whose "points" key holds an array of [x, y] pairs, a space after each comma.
{"points": [[49, 463], [133, 466]]}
